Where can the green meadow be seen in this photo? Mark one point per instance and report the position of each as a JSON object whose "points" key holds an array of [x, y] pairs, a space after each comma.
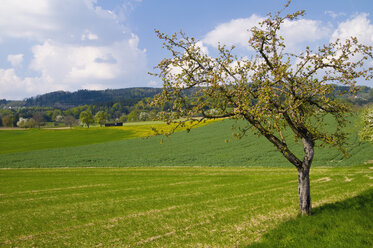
{"points": [[183, 207], [117, 187]]}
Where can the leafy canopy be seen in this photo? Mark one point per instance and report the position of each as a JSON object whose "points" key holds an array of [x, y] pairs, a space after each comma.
{"points": [[272, 90], [86, 117], [100, 117]]}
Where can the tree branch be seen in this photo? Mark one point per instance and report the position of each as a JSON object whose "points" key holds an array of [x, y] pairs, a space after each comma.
{"points": [[281, 146]]}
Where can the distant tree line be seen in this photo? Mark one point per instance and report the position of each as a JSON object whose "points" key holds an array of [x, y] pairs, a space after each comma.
{"points": [[64, 100], [66, 107], [131, 106], [31, 117]]}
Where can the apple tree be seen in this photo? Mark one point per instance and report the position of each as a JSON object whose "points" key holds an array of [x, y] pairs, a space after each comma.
{"points": [[273, 90]]}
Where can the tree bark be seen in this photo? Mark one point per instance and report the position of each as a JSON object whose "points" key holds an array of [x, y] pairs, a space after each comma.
{"points": [[304, 191]]}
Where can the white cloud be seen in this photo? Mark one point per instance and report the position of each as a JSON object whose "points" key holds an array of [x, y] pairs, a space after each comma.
{"points": [[234, 32], [72, 67], [25, 18], [237, 32], [15, 59], [359, 26], [38, 20], [74, 44], [74, 64], [202, 47], [301, 32], [71, 63], [14, 88], [87, 35]]}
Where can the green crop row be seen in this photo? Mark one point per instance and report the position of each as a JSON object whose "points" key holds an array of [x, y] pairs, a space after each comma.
{"points": [[203, 146]]}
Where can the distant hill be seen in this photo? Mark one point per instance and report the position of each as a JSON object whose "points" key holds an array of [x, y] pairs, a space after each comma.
{"points": [[64, 99], [363, 96], [131, 96]]}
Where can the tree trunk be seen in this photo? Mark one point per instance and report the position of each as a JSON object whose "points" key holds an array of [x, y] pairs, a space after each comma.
{"points": [[304, 191]]}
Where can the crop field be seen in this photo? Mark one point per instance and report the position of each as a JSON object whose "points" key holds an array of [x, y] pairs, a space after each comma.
{"points": [[112, 187], [203, 146], [23, 140], [183, 206]]}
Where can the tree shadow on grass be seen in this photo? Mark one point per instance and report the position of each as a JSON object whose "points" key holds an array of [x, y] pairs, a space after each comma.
{"points": [[347, 223]]}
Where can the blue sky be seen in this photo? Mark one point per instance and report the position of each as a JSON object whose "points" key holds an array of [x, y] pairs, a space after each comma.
{"points": [[49, 45]]}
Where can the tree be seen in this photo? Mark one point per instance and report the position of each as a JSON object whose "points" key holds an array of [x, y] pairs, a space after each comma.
{"points": [[31, 123], [100, 118], [8, 121], [133, 115], [86, 118], [55, 114], [143, 116], [70, 121], [366, 132], [123, 118], [22, 122], [116, 106], [39, 119], [274, 92]]}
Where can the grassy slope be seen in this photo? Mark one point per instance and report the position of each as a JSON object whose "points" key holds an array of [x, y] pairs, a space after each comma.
{"points": [[347, 223], [178, 207], [203, 146]]}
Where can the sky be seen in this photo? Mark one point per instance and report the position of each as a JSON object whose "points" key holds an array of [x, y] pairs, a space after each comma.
{"points": [[50, 45]]}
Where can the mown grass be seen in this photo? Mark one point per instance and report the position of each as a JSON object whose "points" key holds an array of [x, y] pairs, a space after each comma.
{"points": [[181, 207], [203, 146]]}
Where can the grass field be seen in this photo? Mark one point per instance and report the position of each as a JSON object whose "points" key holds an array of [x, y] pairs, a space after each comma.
{"points": [[193, 190], [203, 146], [23, 140], [183, 207], [33, 139]]}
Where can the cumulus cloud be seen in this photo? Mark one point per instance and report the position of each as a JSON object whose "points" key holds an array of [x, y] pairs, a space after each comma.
{"points": [[12, 86], [26, 19], [68, 20], [234, 32], [70, 44], [74, 63], [204, 49], [15, 59], [358, 26], [297, 33], [300, 32], [237, 32]]}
